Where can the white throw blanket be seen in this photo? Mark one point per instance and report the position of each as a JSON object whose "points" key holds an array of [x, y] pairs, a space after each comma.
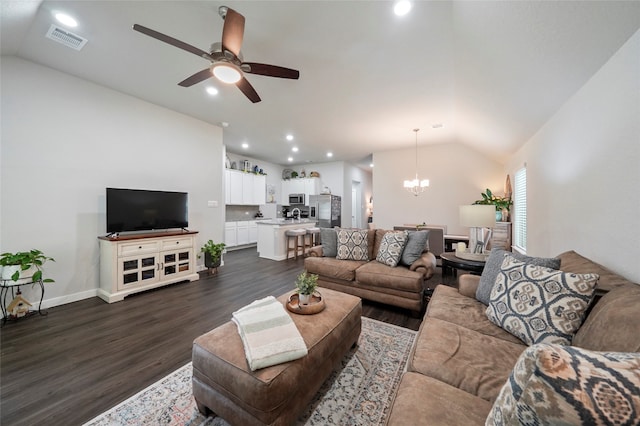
{"points": [[268, 334]]}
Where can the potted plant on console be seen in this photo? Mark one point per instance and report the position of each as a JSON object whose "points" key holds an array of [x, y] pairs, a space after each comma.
{"points": [[24, 266], [502, 204], [306, 284], [212, 254]]}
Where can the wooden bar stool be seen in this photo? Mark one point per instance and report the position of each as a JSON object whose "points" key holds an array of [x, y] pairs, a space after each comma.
{"points": [[298, 237], [314, 238]]}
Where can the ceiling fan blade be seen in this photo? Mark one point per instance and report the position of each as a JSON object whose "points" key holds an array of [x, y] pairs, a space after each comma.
{"points": [[248, 90], [196, 78], [170, 40], [233, 31], [270, 70]]}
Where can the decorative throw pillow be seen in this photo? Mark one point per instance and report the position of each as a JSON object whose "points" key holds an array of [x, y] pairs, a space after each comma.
{"points": [[417, 243], [352, 244], [539, 305], [566, 385], [492, 268], [391, 248], [329, 239]]}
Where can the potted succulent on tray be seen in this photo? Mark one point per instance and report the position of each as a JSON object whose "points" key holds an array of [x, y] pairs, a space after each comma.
{"points": [[306, 284], [24, 266], [212, 254]]}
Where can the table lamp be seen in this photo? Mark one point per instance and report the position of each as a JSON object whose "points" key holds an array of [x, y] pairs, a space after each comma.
{"points": [[478, 217]]}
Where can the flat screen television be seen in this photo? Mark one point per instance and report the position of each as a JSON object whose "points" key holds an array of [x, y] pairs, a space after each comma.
{"points": [[144, 210]]}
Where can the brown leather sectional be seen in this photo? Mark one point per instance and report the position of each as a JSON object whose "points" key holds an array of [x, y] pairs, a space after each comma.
{"points": [[461, 360], [398, 286]]}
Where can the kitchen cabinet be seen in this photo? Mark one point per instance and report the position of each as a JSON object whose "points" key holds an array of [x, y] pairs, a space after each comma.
{"points": [[240, 233], [230, 234], [245, 188], [307, 186], [253, 231]]}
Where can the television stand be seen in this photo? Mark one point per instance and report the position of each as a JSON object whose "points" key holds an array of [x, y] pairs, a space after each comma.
{"points": [[134, 263]]}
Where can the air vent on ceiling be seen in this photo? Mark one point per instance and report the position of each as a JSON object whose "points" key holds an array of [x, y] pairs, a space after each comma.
{"points": [[65, 37]]}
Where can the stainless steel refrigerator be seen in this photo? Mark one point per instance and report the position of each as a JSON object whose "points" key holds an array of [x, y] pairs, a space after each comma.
{"points": [[326, 210]]}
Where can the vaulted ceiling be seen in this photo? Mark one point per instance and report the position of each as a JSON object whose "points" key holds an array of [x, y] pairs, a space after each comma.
{"points": [[482, 73]]}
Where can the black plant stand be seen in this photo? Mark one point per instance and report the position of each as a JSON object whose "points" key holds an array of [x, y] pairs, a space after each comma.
{"points": [[12, 287]]}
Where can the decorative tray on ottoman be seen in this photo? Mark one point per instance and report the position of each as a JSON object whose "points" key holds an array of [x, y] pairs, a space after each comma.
{"points": [[315, 305]]}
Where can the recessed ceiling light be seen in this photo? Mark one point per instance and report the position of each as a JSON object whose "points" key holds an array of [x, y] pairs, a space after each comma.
{"points": [[289, 137], [370, 164], [402, 7], [67, 20], [245, 145], [212, 90], [290, 159], [224, 124], [294, 149], [329, 154]]}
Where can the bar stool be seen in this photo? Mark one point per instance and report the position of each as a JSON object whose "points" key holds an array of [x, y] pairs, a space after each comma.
{"points": [[298, 237], [314, 237]]}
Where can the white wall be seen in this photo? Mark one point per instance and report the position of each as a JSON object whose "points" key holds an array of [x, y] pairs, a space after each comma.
{"points": [[457, 176], [64, 140], [583, 170]]}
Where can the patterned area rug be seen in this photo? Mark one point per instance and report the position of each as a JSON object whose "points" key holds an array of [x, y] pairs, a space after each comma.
{"points": [[360, 392]]}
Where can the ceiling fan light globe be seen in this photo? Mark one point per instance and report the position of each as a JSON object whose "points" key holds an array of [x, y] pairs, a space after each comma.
{"points": [[226, 73]]}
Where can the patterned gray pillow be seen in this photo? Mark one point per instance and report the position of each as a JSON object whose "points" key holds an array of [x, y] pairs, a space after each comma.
{"points": [[566, 385], [417, 243], [539, 305], [352, 244], [391, 248], [492, 268], [329, 239]]}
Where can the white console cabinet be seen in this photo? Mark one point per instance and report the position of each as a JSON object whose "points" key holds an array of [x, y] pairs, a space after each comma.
{"points": [[130, 264]]}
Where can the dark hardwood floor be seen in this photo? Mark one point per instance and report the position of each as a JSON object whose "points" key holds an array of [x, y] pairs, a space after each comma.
{"points": [[85, 357]]}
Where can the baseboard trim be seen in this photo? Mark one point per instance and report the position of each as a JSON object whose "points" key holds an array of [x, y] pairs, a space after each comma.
{"points": [[69, 298]]}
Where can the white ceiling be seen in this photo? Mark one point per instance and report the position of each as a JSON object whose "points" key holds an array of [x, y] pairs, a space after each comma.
{"points": [[491, 73]]}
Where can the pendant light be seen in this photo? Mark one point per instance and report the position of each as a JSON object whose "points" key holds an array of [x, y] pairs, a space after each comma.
{"points": [[416, 186]]}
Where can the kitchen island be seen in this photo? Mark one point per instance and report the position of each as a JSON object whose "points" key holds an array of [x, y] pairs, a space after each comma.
{"points": [[272, 243]]}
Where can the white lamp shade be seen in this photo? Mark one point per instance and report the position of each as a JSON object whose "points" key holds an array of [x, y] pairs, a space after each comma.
{"points": [[478, 215]]}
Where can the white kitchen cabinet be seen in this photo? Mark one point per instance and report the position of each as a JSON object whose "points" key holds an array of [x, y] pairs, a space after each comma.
{"points": [[230, 234], [130, 264], [259, 189], [245, 188], [242, 232], [253, 231], [307, 186]]}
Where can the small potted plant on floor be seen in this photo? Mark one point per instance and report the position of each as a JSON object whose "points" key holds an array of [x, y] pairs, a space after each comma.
{"points": [[24, 266], [306, 284], [212, 254]]}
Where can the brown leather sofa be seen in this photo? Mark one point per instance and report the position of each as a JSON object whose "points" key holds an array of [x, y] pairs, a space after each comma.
{"points": [[461, 360], [398, 286]]}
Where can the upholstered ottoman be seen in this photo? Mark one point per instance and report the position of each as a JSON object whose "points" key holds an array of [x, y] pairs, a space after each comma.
{"points": [[276, 395]]}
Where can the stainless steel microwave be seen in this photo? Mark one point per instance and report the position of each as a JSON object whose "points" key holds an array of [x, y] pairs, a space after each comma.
{"points": [[296, 198]]}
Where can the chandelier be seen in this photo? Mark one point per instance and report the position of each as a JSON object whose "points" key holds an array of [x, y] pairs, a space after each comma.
{"points": [[416, 186]]}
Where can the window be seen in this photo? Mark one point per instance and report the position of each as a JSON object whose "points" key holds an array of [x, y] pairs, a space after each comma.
{"points": [[520, 210]]}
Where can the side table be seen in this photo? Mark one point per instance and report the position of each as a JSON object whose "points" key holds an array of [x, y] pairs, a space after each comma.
{"points": [[451, 261], [9, 287]]}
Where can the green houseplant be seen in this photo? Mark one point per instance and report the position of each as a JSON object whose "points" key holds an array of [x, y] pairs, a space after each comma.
{"points": [[24, 265], [212, 253], [306, 284], [501, 203]]}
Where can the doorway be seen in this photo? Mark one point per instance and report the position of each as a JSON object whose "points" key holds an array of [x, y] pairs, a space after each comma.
{"points": [[356, 205]]}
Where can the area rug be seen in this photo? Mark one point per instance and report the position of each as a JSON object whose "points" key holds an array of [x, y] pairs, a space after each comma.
{"points": [[359, 392]]}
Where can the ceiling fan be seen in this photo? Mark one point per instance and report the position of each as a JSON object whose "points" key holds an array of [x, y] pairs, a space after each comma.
{"points": [[226, 59]]}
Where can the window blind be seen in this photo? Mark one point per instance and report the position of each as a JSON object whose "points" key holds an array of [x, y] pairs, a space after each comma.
{"points": [[520, 207]]}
